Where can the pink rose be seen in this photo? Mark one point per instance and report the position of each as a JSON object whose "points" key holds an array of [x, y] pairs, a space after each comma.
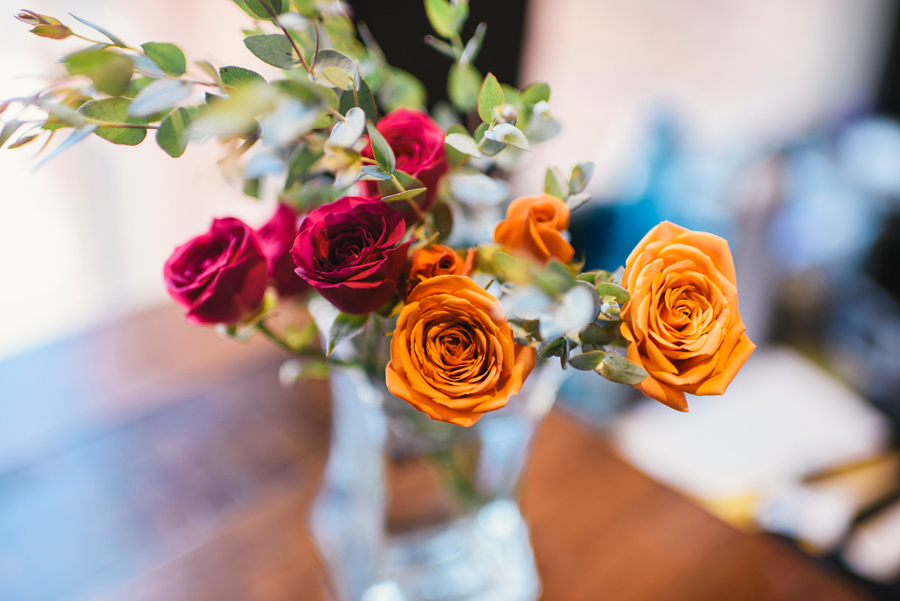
{"points": [[350, 251], [418, 144], [219, 276], [276, 238]]}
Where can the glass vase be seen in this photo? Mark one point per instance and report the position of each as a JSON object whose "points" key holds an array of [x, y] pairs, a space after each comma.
{"points": [[411, 509]]}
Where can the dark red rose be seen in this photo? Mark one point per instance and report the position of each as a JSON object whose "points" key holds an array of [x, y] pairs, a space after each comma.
{"points": [[350, 252], [276, 238], [418, 144], [219, 276]]}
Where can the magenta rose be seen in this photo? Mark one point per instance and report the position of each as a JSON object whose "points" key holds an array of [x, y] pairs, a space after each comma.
{"points": [[219, 276], [418, 144], [276, 238], [350, 252]]}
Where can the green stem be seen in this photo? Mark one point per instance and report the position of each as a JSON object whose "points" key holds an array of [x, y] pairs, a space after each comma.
{"points": [[289, 37], [278, 340]]}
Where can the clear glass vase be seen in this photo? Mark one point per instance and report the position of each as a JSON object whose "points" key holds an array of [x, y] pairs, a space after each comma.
{"points": [[411, 509]]}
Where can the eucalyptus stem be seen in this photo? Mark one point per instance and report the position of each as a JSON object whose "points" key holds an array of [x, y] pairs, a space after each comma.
{"points": [[268, 333], [290, 38]]}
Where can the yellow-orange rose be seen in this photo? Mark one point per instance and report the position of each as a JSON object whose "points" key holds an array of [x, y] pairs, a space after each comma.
{"points": [[434, 260], [534, 226], [682, 323], [452, 353]]}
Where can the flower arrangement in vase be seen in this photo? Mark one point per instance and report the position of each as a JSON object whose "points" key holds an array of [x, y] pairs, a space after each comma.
{"points": [[382, 226]]}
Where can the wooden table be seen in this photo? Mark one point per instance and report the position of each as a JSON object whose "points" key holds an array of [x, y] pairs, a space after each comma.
{"points": [[150, 460]]}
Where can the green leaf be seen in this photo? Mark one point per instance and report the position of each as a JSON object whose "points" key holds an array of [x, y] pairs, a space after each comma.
{"points": [[168, 57], [207, 67], [581, 176], [115, 40], [110, 71], [442, 216], [345, 133], [587, 361], [473, 46], [490, 96], [171, 133], [558, 347], [455, 157], [442, 47], [506, 133], [251, 187], [593, 337], [272, 48], [158, 96], [609, 289], [345, 327], [366, 101], [78, 134], [381, 150], [392, 193], [303, 158], [8, 130], [463, 143], [555, 183], [22, 141], [463, 85], [412, 193], [376, 172], [402, 89], [442, 16], [235, 77], [617, 368], [335, 69], [53, 32], [115, 110], [255, 8], [535, 93]]}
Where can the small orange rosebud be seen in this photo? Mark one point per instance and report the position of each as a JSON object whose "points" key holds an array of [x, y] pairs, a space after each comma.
{"points": [[434, 260], [533, 227]]}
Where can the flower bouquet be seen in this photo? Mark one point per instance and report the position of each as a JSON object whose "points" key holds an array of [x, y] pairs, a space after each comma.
{"points": [[388, 236]]}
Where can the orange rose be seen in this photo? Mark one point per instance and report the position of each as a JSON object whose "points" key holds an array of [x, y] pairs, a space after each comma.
{"points": [[452, 353], [682, 323], [534, 226], [434, 260]]}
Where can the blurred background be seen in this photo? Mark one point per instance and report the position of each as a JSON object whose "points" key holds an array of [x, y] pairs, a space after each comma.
{"points": [[770, 123]]}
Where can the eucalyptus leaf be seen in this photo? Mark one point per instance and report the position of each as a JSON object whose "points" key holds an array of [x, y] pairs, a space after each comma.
{"points": [[473, 46], [335, 69], [78, 134], [171, 135], [445, 18], [508, 134], [581, 176], [169, 57], [115, 110], [555, 183], [442, 47], [617, 368], [144, 65], [272, 48], [114, 39], [110, 70], [534, 93], [402, 89], [411, 193], [577, 200], [366, 101], [8, 130], [464, 143], [345, 327], [587, 361], [463, 85], [235, 77], [160, 95], [609, 289], [381, 150], [376, 172], [345, 133], [489, 97], [593, 337], [300, 162]]}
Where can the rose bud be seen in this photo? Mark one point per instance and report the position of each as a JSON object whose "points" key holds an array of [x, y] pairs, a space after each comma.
{"points": [[681, 322], [533, 228], [418, 144], [276, 238], [453, 356], [350, 252], [434, 260], [219, 276]]}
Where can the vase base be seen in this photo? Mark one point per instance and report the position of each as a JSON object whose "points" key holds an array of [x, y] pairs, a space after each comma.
{"points": [[484, 557]]}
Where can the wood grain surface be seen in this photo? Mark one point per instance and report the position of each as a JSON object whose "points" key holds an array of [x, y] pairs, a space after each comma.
{"points": [[152, 461]]}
